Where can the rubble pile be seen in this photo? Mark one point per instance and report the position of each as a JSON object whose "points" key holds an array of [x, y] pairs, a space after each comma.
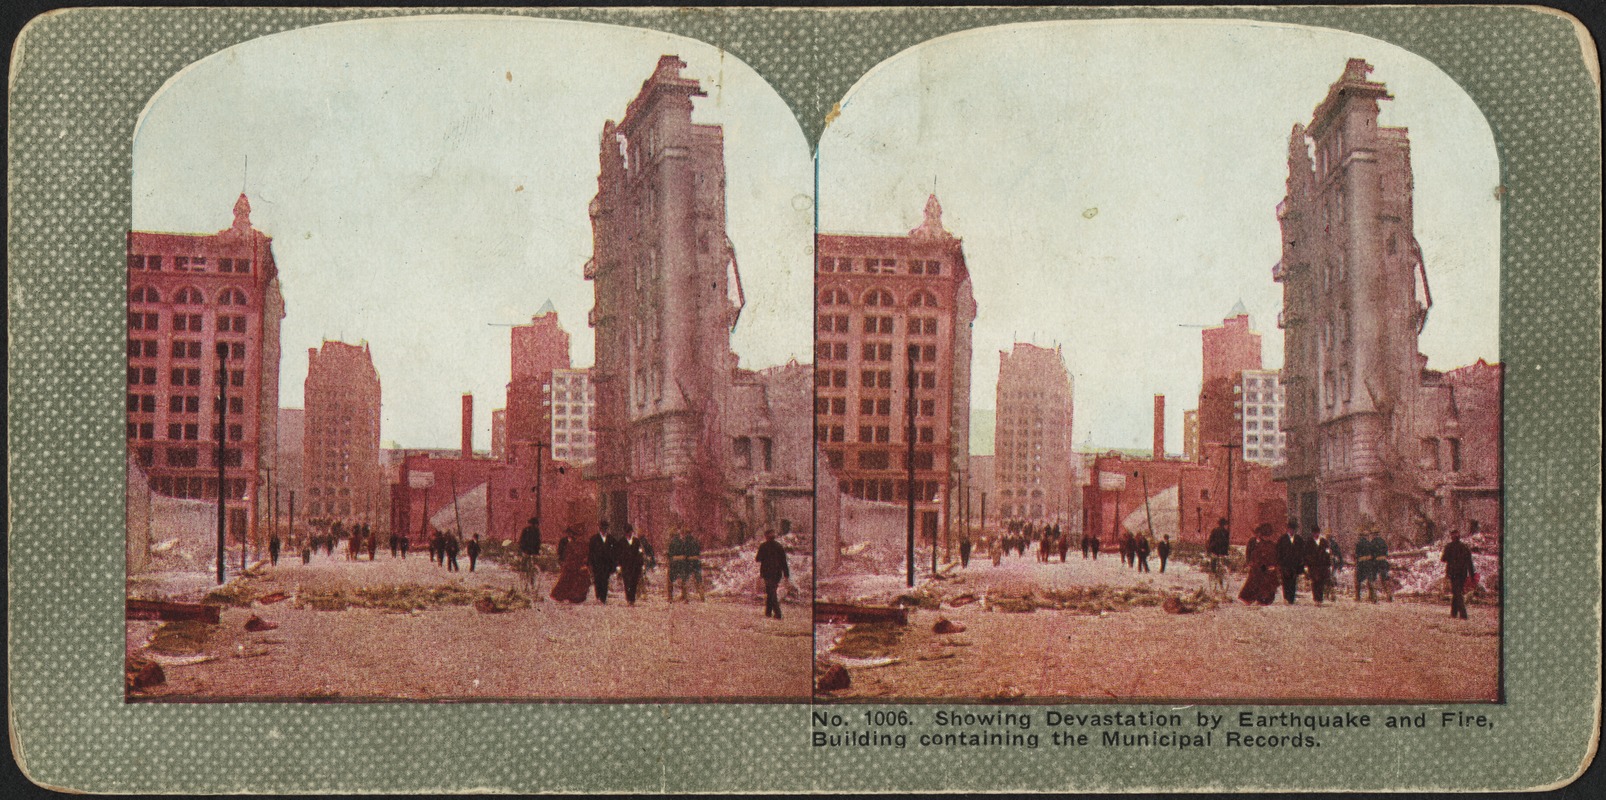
{"points": [[733, 572], [409, 598], [1420, 572]]}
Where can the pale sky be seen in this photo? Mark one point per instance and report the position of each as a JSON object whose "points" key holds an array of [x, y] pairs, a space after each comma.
{"points": [[423, 177], [1114, 182]]}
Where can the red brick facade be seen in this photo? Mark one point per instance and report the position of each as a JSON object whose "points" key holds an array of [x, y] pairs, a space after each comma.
{"points": [[538, 349], [1228, 350], [879, 298], [187, 293]]}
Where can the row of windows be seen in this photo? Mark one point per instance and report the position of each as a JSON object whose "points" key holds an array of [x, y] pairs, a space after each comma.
{"points": [[877, 298], [232, 266], [146, 376], [197, 488], [873, 325], [880, 266], [181, 432], [872, 351], [190, 323], [889, 490], [187, 296], [868, 407], [178, 404]]}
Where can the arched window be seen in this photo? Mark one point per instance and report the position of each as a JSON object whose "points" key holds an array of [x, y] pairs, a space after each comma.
{"points": [[144, 294], [878, 297], [833, 297], [231, 297], [189, 296], [923, 299]]}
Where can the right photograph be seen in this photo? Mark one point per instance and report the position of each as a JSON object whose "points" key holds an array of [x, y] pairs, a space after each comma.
{"points": [[1158, 361]]}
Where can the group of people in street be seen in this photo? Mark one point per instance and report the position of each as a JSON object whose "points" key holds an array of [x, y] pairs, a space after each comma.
{"points": [[444, 546], [1050, 540], [587, 566], [1275, 564]]}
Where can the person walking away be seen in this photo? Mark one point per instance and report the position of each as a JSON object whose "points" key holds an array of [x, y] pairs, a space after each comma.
{"points": [[1095, 545], [772, 568], [599, 554], [1164, 551], [1085, 539], [1319, 565], [1371, 562], [964, 550], [1458, 567], [372, 539], [631, 561], [1140, 552], [273, 549], [1218, 545], [1064, 543], [995, 547], [1260, 586], [1291, 560], [473, 552], [574, 576], [1129, 549], [402, 544], [450, 545]]}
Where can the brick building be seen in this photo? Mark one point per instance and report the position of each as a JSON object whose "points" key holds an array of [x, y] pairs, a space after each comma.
{"points": [[340, 442], [1032, 436], [188, 293], [538, 349], [887, 305], [1372, 434], [667, 295], [1228, 351]]}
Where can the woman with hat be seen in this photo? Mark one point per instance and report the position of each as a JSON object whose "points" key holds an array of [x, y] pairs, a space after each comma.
{"points": [[1260, 587]]}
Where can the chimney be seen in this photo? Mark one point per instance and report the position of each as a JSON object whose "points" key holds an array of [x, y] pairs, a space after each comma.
{"points": [[1159, 427], [468, 425]]}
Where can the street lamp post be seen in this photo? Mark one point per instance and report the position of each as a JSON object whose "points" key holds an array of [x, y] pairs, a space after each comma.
{"points": [[909, 406], [222, 451]]}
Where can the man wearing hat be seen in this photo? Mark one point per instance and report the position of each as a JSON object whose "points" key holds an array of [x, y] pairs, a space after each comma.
{"points": [[1291, 560]]}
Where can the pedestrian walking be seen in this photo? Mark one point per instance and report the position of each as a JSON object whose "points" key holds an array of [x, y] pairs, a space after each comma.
{"points": [[772, 568], [1140, 552], [573, 574], [1164, 551], [473, 552], [372, 539], [450, 545], [273, 549], [1458, 567], [1372, 563], [685, 565], [1095, 545], [631, 561], [1291, 560], [1260, 585], [403, 543], [964, 550], [1319, 565], [599, 553]]}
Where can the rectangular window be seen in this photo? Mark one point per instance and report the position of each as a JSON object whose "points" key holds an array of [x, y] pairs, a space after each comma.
{"points": [[237, 351], [928, 435], [839, 406], [839, 378], [867, 407], [928, 380], [883, 434], [884, 407], [866, 434], [874, 459], [840, 351], [928, 408], [822, 405], [834, 458], [884, 379]]}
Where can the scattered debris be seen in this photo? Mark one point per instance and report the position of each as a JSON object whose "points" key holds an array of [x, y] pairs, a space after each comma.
{"points": [[851, 612], [182, 661], [835, 679], [186, 637], [168, 611], [868, 663], [235, 593], [270, 599], [868, 640], [257, 624], [934, 656], [1011, 605], [947, 626], [961, 600], [409, 598], [140, 674], [502, 603]]}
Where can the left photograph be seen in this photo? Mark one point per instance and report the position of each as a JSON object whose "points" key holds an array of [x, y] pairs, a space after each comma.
{"points": [[468, 359]]}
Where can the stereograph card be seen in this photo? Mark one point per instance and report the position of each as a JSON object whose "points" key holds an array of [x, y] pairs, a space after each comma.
{"points": [[805, 400]]}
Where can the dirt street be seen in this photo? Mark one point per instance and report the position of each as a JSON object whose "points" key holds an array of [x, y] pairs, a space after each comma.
{"points": [[1405, 650], [655, 650]]}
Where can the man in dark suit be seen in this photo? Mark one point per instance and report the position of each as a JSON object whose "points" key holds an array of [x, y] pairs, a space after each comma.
{"points": [[772, 568], [630, 558], [600, 555], [1291, 560], [1458, 567]]}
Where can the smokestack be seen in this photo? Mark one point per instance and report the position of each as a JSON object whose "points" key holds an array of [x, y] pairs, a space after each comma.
{"points": [[1159, 427], [468, 425]]}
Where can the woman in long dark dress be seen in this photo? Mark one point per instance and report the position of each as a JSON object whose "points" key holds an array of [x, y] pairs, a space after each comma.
{"points": [[1260, 587], [574, 576]]}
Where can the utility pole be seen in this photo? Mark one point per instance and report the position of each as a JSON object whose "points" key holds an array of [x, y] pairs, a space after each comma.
{"points": [[540, 447], [222, 451], [1230, 448], [910, 406]]}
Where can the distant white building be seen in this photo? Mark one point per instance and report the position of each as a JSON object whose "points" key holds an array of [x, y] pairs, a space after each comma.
{"points": [[572, 399], [1259, 407]]}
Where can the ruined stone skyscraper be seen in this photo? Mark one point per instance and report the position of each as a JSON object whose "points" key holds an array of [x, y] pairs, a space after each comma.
{"points": [[340, 441], [1032, 438], [1366, 421], [667, 296]]}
